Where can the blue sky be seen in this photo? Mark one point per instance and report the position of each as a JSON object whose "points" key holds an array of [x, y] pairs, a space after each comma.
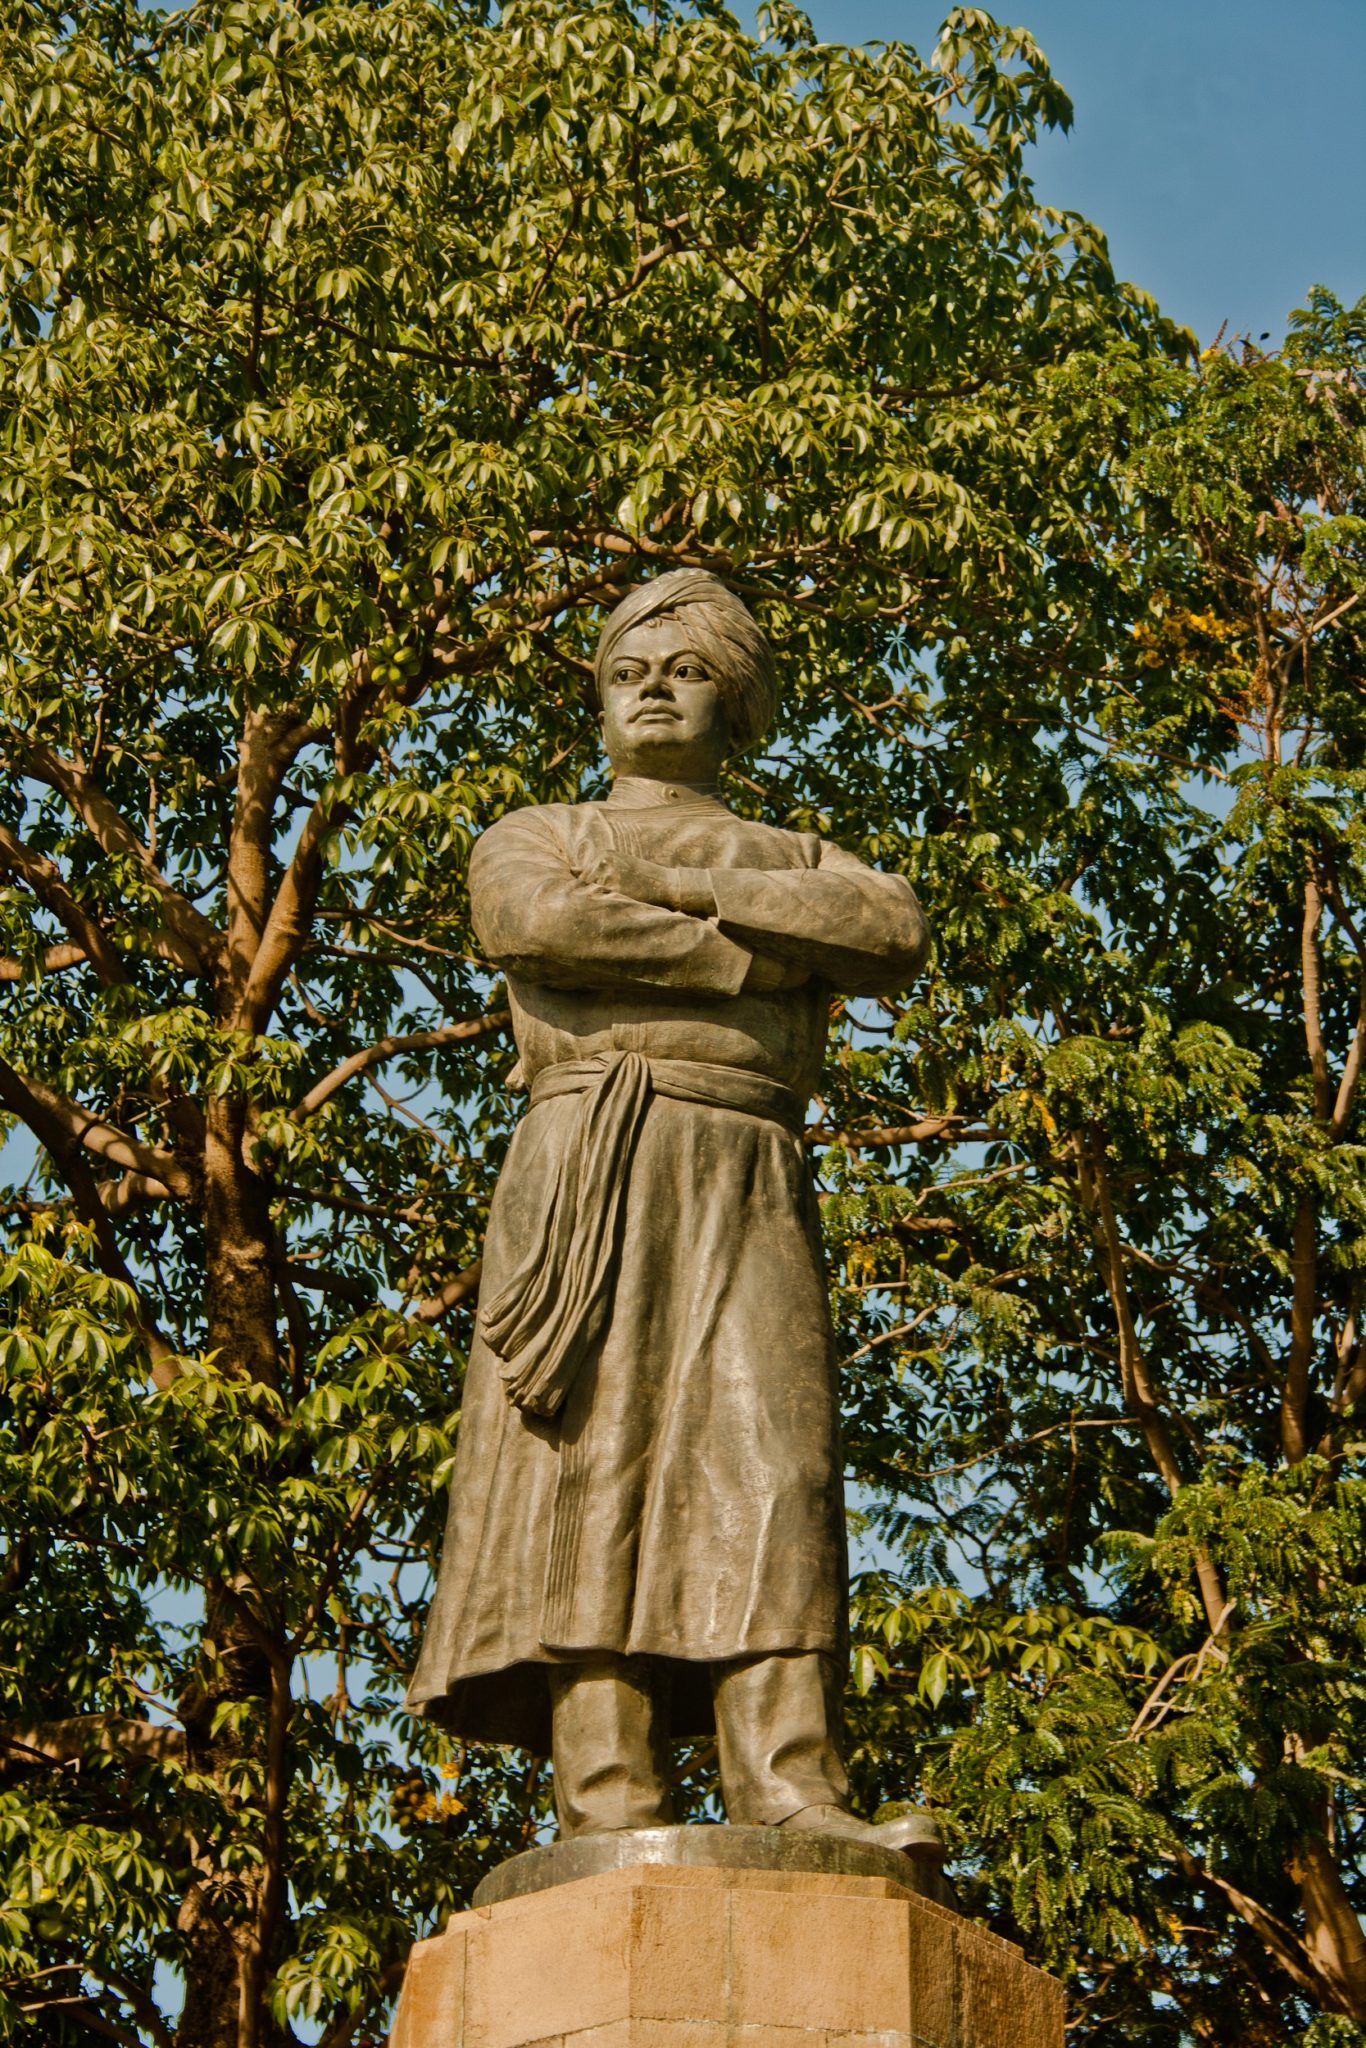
{"points": [[1220, 144]]}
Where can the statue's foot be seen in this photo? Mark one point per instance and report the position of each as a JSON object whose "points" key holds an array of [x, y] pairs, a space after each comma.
{"points": [[914, 1832]]}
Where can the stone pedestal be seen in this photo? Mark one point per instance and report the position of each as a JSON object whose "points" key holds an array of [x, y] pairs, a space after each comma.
{"points": [[668, 1956]]}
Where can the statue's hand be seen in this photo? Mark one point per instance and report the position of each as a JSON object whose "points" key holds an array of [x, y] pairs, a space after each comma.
{"points": [[645, 881]]}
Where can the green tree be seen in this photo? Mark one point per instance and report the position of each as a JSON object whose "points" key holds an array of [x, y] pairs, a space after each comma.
{"points": [[354, 357], [1150, 1010]]}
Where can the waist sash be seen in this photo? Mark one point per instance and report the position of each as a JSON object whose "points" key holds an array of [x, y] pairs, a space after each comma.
{"points": [[541, 1324]]}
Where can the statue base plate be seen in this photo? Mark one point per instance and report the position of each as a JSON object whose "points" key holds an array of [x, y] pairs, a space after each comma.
{"points": [[706, 1847], [702, 1955]]}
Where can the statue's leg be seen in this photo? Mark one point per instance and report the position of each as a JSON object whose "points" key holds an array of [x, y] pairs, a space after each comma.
{"points": [[609, 1744], [779, 1734]]}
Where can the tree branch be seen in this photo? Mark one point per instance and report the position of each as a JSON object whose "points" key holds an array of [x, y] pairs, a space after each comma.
{"points": [[1335, 1942], [322, 1280], [289, 919], [1021, 1443], [269, 744], [133, 1191], [45, 879], [72, 1740], [1188, 1669], [192, 940], [890, 1336], [464, 1287], [66, 1152], [1311, 972], [86, 2013], [107, 1141], [1304, 1271], [1281, 1940], [1140, 1394], [390, 1048], [474, 655], [922, 1133], [54, 960], [1356, 1053], [1210, 1291], [285, 926]]}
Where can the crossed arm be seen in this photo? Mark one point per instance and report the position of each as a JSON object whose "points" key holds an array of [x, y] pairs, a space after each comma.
{"points": [[621, 922]]}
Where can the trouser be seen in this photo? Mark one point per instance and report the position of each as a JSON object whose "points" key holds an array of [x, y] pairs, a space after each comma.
{"points": [[778, 1733]]}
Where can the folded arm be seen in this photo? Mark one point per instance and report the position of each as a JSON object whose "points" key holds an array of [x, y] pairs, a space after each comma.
{"points": [[861, 931], [851, 926], [537, 917]]}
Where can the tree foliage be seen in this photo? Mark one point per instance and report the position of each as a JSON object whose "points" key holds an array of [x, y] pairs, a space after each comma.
{"points": [[354, 357]]}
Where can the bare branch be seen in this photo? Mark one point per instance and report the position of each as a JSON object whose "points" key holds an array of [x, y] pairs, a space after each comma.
{"points": [[72, 1740], [1140, 1393], [348, 1204], [890, 1336], [45, 879], [1021, 1443], [475, 655], [267, 942], [269, 744], [1304, 1257], [67, 1154], [1281, 1940], [1311, 972], [107, 1141], [1331, 618], [1157, 1706], [954, 1129], [1334, 1938], [1208, 1290], [322, 1280], [391, 1048], [1351, 1071], [1352, 1067], [84, 2011], [1304, 1269], [289, 919], [53, 961], [191, 939], [131, 1192], [464, 1287]]}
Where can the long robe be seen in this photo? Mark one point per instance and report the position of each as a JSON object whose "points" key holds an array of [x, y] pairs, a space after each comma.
{"points": [[685, 1500]]}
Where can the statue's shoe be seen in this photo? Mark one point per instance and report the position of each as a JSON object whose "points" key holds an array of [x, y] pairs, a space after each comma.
{"points": [[917, 1833]]}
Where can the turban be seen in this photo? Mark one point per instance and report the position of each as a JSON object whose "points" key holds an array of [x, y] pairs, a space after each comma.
{"points": [[720, 629]]}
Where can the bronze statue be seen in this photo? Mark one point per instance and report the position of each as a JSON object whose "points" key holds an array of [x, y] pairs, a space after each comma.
{"points": [[646, 1530]]}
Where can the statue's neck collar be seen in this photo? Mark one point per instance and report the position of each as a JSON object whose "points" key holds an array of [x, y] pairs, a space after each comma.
{"points": [[643, 793]]}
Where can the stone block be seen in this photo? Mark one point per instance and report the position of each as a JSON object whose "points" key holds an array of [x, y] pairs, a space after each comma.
{"points": [[812, 1960], [432, 2007], [665, 1957]]}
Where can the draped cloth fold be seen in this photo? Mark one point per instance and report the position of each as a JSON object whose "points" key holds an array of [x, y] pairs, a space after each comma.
{"points": [[542, 1323]]}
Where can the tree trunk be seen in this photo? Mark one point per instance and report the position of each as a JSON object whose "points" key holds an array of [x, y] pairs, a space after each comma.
{"points": [[220, 1912], [1333, 1932], [239, 1299], [230, 1920]]}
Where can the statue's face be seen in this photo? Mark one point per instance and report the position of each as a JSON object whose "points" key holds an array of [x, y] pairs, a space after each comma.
{"points": [[662, 714]]}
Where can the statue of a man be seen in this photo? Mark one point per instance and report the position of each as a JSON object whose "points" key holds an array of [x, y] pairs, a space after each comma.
{"points": [[646, 1530]]}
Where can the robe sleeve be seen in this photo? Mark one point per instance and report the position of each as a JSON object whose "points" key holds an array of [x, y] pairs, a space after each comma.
{"points": [[537, 918], [861, 931]]}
